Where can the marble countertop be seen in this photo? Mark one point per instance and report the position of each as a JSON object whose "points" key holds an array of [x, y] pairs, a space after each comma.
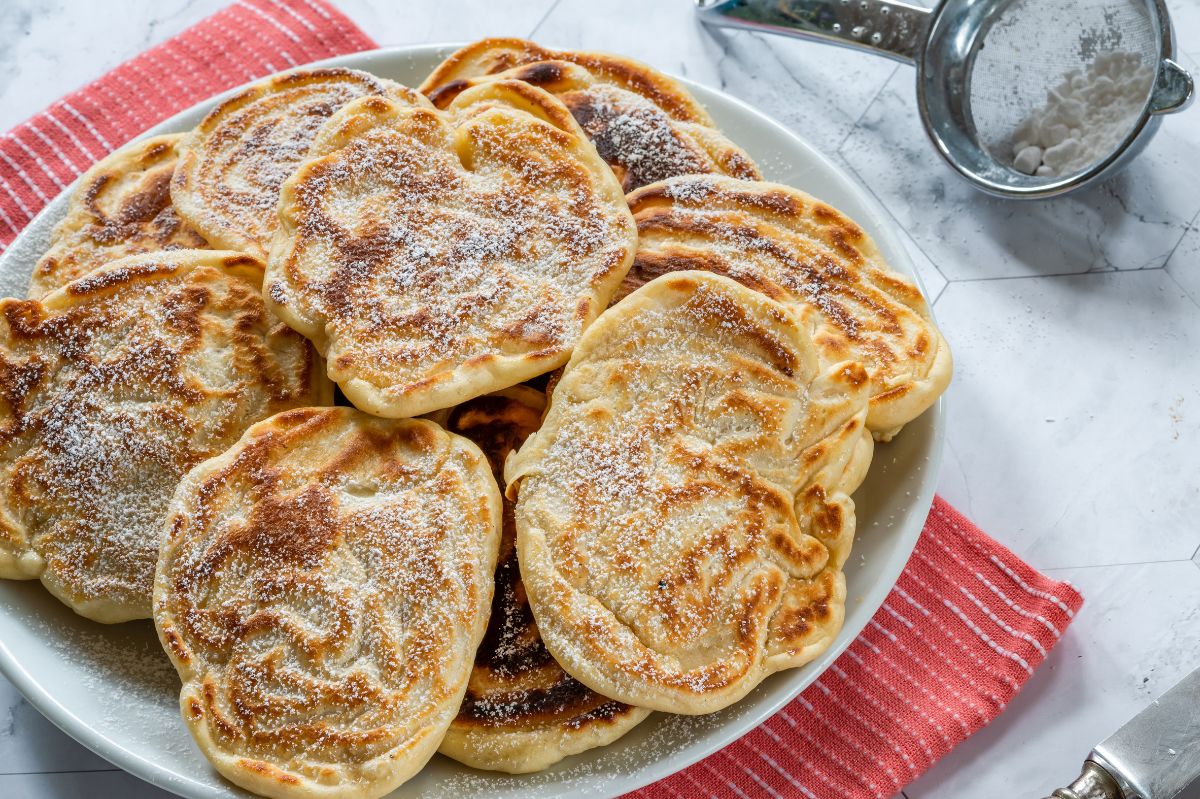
{"points": [[1075, 411]]}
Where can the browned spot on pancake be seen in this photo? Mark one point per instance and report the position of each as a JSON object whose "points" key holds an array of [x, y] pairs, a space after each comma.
{"points": [[111, 278], [653, 264], [177, 647], [795, 623], [535, 328], [241, 259], [773, 201], [826, 516], [853, 374], [294, 531], [376, 103], [635, 136], [421, 438], [607, 712], [313, 74], [718, 308], [845, 240], [223, 108], [267, 770], [217, 719], [154, 152], [565, 703], [19, 380], [920, 345], [893, 393], [445, 94], [542, 74], [845, 234], [137, 209], [737, 165], [93, 190]]}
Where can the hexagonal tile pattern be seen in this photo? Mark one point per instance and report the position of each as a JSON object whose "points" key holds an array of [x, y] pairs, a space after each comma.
{"points": [[1070, 415], [1075, 411]]}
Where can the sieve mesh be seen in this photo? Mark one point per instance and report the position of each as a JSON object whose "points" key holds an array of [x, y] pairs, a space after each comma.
{"points": [[1032, 44]]}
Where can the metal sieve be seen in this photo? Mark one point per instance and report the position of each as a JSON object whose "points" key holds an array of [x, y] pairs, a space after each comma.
{"points": [[984, 66]]}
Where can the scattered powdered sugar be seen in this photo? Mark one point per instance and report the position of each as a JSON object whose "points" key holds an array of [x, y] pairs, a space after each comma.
{"points": [[692, 190], [251, 150], [138, 395], [653, 470], [589, 774], [814, 261], [462, 253], [634, 134], [329, 580]]}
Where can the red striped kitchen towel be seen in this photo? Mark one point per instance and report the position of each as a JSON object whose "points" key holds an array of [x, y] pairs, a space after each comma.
{"points": [[956, 639]]}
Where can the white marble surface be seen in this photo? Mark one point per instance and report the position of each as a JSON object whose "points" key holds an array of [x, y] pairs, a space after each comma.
{"points": [[1075, 412]]}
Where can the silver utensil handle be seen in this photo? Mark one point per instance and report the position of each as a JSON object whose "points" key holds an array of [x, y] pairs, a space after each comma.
{"points": [[889, 28], [1173, 89], [1093, 783]]}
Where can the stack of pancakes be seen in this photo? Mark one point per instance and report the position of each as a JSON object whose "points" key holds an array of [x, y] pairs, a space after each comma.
{"points": [[612, 395]]}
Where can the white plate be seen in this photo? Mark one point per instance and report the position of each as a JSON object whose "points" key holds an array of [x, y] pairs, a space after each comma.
{"points": [[113, 690]]}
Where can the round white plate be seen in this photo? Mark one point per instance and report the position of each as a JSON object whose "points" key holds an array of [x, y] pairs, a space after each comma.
{"points": [[112, 689]]}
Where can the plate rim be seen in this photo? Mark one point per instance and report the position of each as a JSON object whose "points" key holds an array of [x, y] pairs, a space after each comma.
{"points": [[882, 226]]}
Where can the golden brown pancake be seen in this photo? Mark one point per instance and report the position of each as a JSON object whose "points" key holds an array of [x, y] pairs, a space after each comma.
{"points": [[112, 387], [683, 513], [321, 589], [521, 712], [226, 184], [643, 123], [800, 251], [122, 206], [434, 256]]}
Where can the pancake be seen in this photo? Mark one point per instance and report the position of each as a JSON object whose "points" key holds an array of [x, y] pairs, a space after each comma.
{"points": [[647, 126], [683, 514], [521, 712], [111, 388], [321, 590], [434, 256], [122, 206], [227, 182], [800, 251]]}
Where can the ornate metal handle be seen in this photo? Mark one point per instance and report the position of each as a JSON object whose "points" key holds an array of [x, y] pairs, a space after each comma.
{"points": [[886, 27]]}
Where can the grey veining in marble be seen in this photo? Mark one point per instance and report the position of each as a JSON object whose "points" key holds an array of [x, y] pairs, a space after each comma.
{"points": [[1107, 426], [1075, 412]]}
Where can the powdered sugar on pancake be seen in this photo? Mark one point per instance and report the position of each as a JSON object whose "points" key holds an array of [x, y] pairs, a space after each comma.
{"points": [[683, 513], [123, 381], [227, 183], [804, 253], [437, 255], [321, 590], [644, 123], [522, 712]]}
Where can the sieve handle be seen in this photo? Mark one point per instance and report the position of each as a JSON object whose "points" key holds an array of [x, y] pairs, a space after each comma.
{"points": [[1173, 89], [892, 29]]}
